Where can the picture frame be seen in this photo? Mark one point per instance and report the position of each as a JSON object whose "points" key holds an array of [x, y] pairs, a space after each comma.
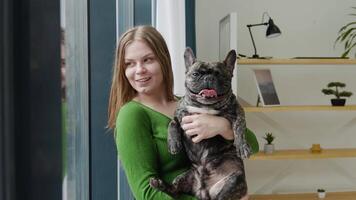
{"points": [[266, 90]]}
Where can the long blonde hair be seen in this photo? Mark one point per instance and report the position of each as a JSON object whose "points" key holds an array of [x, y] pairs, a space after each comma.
{"points": [[121, 91]]}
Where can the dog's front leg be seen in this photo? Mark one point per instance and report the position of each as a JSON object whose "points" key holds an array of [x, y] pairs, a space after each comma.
{"points": [[239, 128], [174, 137]]}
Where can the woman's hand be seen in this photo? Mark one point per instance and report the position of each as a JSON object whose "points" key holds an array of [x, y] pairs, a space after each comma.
{"points": [[204, 126]]}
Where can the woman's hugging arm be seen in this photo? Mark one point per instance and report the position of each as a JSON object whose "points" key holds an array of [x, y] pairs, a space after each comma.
{"points": [[137, 152]]}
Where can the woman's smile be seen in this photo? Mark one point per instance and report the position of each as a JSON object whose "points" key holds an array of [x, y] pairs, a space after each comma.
{"points": [[142, 80]]}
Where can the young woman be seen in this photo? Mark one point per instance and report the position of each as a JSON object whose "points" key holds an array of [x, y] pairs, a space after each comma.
{"points": [[141, 106]]}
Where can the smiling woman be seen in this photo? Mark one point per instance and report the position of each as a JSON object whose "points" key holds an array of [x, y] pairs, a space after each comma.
{"points": [[141, 106]]}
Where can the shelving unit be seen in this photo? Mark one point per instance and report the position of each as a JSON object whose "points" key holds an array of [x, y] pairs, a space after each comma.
{"points": [[306, 196], [300, 154], [305, 154]]}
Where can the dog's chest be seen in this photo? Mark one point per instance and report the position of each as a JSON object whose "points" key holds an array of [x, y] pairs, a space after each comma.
{"points": [[202, 110]]}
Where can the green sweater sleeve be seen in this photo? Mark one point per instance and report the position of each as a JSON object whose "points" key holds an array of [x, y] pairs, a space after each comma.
{"points": [[138, 153]]}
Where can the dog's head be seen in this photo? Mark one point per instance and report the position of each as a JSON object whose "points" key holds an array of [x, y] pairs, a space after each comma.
{"points": [[208, 82]]}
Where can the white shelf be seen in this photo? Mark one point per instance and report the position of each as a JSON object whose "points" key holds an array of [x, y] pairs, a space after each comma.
{"points": [[306, 196], [290, 61], [293, 154], [300, 108]]}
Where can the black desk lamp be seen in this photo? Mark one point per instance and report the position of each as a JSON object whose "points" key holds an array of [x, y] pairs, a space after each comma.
{"points": [[272, 31]]}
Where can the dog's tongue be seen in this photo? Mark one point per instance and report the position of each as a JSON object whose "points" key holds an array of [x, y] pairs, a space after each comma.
{"points": [[208, 93]]}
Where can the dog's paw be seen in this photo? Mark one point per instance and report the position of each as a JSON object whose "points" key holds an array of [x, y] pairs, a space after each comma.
{"points": [[174, 147], [157, 183], [244, 151]]}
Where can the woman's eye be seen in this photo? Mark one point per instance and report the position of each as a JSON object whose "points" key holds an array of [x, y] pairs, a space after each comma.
{"points": [[148, 60], [128, 64]]}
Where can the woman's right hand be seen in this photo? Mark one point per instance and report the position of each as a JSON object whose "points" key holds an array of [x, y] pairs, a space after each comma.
{"points": [[204, 126]]}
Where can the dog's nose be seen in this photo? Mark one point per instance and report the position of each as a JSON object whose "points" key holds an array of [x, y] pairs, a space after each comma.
{"points": [[209, 78]]}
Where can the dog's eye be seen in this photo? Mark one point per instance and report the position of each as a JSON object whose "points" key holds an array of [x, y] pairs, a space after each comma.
{"points": [[195, 74]]}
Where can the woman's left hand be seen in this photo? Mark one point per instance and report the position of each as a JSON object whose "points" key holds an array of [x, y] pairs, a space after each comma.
{"points": [[204, 126]]}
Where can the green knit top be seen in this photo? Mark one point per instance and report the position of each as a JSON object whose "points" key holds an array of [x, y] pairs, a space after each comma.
{"points": [[141, 140]]}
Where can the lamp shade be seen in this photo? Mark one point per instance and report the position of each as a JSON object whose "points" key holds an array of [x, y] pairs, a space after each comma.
{"points": [[272, 29]]}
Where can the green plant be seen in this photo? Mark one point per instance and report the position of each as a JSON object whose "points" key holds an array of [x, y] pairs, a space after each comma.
{"points": [[269, 138], [347, 36], [336, 91], [321, 190]]}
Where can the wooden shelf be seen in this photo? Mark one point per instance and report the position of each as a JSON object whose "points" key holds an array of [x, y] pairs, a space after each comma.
{"points": [[306, 196], [290, 61], [300, 108], [305, 154]]}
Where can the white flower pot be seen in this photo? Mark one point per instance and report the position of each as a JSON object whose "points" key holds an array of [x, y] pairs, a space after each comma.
{"points": [[321, 195], [269, 148]]}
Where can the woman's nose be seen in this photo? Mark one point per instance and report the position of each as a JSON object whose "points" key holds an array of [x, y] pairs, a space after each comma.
{"points": [[140, 68]]}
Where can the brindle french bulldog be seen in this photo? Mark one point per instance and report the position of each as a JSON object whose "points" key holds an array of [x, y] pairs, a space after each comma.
{"points": [[217, 170]]}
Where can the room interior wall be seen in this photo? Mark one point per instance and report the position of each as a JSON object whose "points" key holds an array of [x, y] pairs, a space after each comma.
{"points": [[309, 28]]}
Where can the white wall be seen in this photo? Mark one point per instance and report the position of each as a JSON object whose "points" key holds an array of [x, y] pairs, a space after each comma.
{"points": [[309, 28]]}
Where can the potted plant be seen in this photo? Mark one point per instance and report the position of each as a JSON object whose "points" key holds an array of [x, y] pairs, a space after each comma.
{"points": [[269, 147], [338, 101], [321, 193], [347, 36]]}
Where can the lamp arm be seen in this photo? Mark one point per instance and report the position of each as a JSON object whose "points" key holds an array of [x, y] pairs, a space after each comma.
{"points": [[253, 41], [260, 24]]}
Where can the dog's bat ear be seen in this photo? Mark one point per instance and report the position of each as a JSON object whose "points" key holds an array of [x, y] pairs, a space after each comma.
{"points": [[230, 60], [189, 57]]}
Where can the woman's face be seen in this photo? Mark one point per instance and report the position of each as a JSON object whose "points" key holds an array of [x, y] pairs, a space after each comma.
{"points": [[143, 70]]}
